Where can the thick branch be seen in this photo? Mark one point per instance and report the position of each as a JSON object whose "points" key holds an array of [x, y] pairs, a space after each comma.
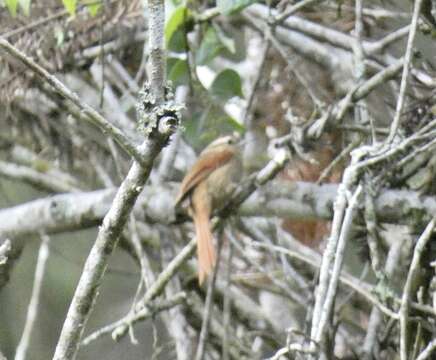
{"points": [[114, 221], [297, 200]]}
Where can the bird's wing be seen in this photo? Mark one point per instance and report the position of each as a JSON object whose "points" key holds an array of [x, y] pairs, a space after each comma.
{"points": [[204, 165]]}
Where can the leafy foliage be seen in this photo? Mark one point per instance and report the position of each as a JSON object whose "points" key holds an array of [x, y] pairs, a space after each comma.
{"points": [[176, 27], [215, 42], [93, 8], [226, 85], [212, 119], [12, 6], [178, 71], [210, 47], [70, 6]]}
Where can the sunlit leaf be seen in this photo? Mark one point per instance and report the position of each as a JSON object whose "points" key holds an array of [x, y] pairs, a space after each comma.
{"points": [[94, 8], [70, 6], [226, 85], [177, 20], [12, 6]]}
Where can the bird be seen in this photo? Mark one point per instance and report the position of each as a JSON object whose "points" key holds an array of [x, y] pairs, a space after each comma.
{"points": [[206, 187]]}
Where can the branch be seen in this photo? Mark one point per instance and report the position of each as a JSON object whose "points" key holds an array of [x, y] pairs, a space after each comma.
{"points": [[369, 349], [298, 200], [55, 214], [406, 68], [426, 353], [32, 310], [158, 130], [6, 260], [404, 309], [143, 314], [36, 178], [89, 113], [208, 305], [346, 223]]}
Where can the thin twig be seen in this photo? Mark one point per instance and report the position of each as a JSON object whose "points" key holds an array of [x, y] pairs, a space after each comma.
{"points": [[427, 352], [292, 295], [376, 317], [405, 75], [176, 320], [344, 278], [293, 9], [404, 309], [379, 45], [247, 119], [32, 310], [132, 317], [227, 307], [87, 111], [339, 256], [40, 180], [344, 153], [201, 349]]}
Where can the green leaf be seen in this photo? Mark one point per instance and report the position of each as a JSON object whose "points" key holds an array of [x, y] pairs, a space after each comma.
{"points": [[206, 125], [227, 84], [227, 7], [236, 126], [93, 8], [25, 6], [178, 71], [12, 7], [226, 41], [178, 42], [70, 6], [177, 20], [210, 47]]}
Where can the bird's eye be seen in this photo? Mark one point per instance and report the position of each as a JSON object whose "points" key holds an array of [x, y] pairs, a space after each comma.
{"points": [[231, 141]]}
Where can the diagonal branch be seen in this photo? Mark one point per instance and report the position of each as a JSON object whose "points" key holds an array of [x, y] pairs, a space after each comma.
{"points": [[405, 303], [405, 75], [88, 112], [113, 223]]}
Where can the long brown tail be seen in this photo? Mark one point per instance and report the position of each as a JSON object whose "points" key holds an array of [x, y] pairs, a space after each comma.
{"points": [[205, 248]]}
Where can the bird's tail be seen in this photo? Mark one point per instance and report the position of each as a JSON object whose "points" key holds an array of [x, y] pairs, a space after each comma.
{"points": [[205, 248]]}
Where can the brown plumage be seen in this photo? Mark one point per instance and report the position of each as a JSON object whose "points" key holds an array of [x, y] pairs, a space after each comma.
{"points": [[207, 185]]}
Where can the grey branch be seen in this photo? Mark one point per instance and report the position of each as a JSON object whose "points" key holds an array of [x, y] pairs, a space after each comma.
{"points": [[125, 198], [32, 310], [36, 178], [404, 309], [143, 314], [88, 112], [298, 200]]}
